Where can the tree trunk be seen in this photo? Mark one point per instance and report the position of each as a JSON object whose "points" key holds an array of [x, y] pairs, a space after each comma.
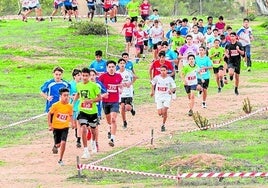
{"points": [[263, 6]]}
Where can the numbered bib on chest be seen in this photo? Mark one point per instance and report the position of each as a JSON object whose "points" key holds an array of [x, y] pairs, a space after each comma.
{"points": [[86, 106]]}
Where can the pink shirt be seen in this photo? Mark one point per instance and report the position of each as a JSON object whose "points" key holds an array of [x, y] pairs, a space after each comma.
{"points": [[129, 29], [145, 9]]}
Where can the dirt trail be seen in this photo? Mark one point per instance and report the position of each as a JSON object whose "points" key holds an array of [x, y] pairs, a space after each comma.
{"points": [[34, 165]]}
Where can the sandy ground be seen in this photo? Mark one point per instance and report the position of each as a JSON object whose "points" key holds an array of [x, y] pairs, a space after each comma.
{"points": [[34, 165]]}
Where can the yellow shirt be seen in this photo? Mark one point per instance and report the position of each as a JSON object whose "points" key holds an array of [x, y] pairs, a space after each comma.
{"points": [[61, 115]]}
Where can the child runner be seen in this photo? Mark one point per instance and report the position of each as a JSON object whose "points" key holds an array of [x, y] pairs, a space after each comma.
{"points": [[162, 87], [234, 50], [203, 61], [126, 95], [58, 118], [50, 89], [157, 35], [189, 77], [128, 29], [57, 4], [140, 36], [133, 9], [107, 6], [91, 9], [99, 64], [77, 75], [112, 81], [89, 94], [145, 9]]}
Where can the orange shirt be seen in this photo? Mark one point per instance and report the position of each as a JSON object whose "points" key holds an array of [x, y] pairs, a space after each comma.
{"points": [[61, 115]]}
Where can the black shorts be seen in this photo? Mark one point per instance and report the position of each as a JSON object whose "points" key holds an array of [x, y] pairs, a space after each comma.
{"points": [[106, 9], [74, 8], [155, 46], [88, 119], [145, 42], [68, 7], [128, 39], [126, 100], [216, 70], [203, 85], [134, 19], [31, 8], [145, 17], [60, 135], [109, 107], [235, 66], [189, 88]]}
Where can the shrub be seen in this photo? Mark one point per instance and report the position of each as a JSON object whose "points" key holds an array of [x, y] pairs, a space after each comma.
{"points": [[247, 106], [89, 28], [251, 17], [201, 122], [264, 25]]}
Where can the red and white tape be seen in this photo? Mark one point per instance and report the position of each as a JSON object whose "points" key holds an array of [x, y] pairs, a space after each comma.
{"points": [[179, 176]]}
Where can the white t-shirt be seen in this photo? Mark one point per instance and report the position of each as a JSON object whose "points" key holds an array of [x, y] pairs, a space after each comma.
{"points": [[127, 76], [156, 33], [162, 87]]}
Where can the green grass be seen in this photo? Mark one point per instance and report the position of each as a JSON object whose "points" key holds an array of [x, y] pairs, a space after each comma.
{"points": [[29, 52]]}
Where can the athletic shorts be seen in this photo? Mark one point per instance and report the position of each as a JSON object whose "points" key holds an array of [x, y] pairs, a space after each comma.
{"points": [[162, 103], [216, 70], [109, 107], [68, 7], [235, 66], [203, 85], [189, 88], [91, 7], [134, 19], [145, 42], [128, 39], [75, 8], [106, 9], [145, 17], [60, 135], [88, 119], [140, 48], [31, 8], [126, 100], [155, 46], [57, 6], [25, 9]]}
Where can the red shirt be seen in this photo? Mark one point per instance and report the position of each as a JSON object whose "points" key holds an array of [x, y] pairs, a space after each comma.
{"points": [[111, 83], [107, 4], [145, 9], [140, 36], [129, 29], [156, 66]]}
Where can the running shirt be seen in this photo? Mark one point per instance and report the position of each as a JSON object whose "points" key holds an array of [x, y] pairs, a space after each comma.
{"points": [[90, 2], [162, 87], [89, 90], [129, 29], [32, 3], [25, 3], [61, 115], [107, 4], [184, 30], [74, 3], [98, 66], [177, 42], [197, 38], [203, 62], [145, 9], [111, 82], [220, 26], [140, 36], [156, 66], [190, 74], [67, 3], [127, 77], [51, 88], [156, 33], [153, 17], [234, 56], [186, 50], [244, 35], [133, 9], [73, 91], [218, 59]]}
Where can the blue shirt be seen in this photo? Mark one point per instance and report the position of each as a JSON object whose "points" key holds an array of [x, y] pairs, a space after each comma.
{"points": [[184, 30], [129, 66], [101, 86], [73, 91], [51, 88], [98, 66], [203, 62]]}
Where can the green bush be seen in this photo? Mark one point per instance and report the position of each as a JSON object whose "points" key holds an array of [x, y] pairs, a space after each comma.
{"points": [[264, 25], [89, 28], [251, 17]]}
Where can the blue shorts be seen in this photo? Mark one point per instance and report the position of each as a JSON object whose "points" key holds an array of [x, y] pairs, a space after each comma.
{"points": [[109, 107], [189, 88]]}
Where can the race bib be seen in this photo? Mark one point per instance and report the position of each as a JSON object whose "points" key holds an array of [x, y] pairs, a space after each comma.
{"points": [[191, 77], [202, 71], [162, 88], [112, 88], [86, 106], [216, 62], [62, 117]]}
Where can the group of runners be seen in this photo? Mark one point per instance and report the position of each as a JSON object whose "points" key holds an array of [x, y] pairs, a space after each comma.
{"points": [[188, 50]]}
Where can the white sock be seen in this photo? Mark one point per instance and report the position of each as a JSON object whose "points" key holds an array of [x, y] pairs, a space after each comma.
{"points": [[113, 137], [85, 148]]}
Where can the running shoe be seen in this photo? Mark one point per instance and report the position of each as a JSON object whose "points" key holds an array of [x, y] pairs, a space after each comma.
{"points": [[109, 135], [111, 143], [236, 91], [219, 90], [190, 113], [133, 112], [85, 155], [94, 147], [231, 78], [55, 150], [163, 128], [125, 124], [204, 105], [78, 144], [60, 162], [222, 84]]}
